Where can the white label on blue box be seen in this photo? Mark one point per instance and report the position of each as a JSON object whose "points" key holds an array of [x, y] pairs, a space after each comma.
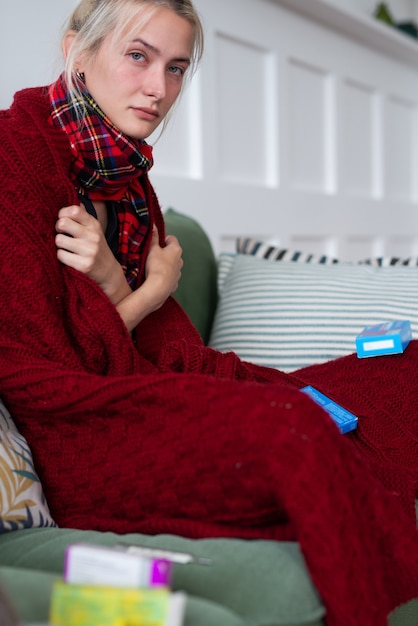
{"points": [[345, 420], [380, 344]]}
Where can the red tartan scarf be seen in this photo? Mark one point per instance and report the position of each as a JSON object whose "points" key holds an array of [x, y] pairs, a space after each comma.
{"points": [[107, 166]]}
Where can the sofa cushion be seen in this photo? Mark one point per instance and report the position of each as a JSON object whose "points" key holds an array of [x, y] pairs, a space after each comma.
{"points": [[197, 290], [263, 583], [288, 315], [22, 503]]}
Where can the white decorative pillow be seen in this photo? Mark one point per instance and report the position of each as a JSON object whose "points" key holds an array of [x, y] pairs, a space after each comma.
{"points": [[288, 315], [22, 502]]}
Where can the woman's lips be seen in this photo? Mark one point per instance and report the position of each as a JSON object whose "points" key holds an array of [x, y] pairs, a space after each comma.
{"points": [[146, 113]]}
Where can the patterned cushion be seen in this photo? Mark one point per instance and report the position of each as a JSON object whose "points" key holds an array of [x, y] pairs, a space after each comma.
{"points": [[263, 250], [288, 315], [22, 503], [390, 261]]}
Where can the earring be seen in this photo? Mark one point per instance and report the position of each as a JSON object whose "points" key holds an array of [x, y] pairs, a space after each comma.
{"points": [[80, 76]]}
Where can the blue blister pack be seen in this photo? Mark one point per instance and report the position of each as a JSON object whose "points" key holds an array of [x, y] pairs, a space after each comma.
{"points": [[345, 420]]}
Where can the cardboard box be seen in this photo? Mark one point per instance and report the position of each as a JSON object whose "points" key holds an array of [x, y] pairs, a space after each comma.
{"points": [[384, 338], [114, 567], [80, 605], [345, 420]]}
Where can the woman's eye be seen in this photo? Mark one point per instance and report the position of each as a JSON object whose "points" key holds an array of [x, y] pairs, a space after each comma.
{"points": [[178, 71], [137, 56]]}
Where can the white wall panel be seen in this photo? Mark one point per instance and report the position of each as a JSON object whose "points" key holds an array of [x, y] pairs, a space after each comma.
{"points": [[242, 99], [400, 137], [358, 136], [395, 246], [309, 116]]}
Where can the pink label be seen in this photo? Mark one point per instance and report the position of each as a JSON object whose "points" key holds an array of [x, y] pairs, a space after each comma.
{"points": [[160, 572]]}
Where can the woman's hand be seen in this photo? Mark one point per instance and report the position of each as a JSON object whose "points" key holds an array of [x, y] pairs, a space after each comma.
{"points": [[162, 274], [81, 244], [163, 266]]}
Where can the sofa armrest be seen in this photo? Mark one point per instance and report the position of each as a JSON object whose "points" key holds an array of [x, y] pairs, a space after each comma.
{"points": [[197, 290]]}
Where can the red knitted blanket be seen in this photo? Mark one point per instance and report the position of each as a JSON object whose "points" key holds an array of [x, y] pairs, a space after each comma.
{"points": [[160, 434]]}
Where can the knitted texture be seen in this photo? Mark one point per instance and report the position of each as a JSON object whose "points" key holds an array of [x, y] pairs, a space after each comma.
{"points": [[382, 393], [159, 434]]}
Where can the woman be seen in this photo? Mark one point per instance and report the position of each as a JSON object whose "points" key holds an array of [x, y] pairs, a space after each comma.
{"points": [[134, 424], [146, 72]]}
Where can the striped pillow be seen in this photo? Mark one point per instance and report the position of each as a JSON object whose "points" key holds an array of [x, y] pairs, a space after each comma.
{"points": [[288, 315]]}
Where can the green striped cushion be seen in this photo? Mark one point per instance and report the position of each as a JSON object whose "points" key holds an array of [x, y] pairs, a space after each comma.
{"points": [[288, 315]]}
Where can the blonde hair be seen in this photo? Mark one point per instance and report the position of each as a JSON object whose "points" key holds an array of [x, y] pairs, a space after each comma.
{"points": [[94, 20]]}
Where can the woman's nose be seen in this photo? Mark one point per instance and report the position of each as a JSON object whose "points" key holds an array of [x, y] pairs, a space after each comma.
{"points": [[155, 83]]}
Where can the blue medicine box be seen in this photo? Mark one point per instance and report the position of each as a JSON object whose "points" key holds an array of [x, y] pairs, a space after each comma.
{"points": [[384, 338], [345, 420]]}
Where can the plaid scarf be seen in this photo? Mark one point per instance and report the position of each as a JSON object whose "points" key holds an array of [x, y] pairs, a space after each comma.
{"points": [[107, 166]]}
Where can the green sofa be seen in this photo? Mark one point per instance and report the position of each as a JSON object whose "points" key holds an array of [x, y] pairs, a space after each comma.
{"points": [[258, 583]]}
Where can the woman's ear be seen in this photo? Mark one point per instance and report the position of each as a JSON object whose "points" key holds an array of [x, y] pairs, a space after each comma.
{"points": [[67, 42]]}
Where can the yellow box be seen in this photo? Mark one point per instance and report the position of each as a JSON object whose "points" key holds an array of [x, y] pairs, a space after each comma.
{"points": [[80, 605]]}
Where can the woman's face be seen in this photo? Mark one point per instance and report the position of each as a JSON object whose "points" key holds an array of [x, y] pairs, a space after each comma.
{"points": [[136, 81]]}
